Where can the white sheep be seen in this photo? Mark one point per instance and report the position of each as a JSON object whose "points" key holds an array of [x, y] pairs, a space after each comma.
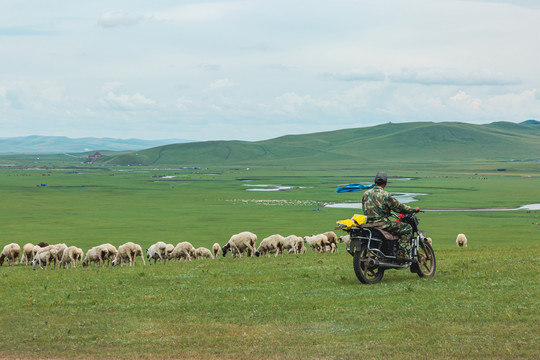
{"points": [[11, 252], [216, 249], [157, 251], [292, 244], [346, 239], [60, 250], [461, 240], [95, 255], [332, 241], [109, 253], [168, 251], [238, 243], [45, 255], [127, 253], [71, 256], [183, 250], [202, 252], [27, 254], [317, 242], [270, 245]]}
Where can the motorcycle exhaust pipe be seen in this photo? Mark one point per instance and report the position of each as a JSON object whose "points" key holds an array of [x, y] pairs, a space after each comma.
{"points": [[393, 266]]}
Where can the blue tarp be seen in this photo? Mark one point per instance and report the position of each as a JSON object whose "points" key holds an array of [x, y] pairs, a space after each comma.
{"points": [[353, 187]]}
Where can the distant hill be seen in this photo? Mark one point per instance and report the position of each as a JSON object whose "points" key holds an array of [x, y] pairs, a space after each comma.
{"points": [[420, 141], [60, 144]]}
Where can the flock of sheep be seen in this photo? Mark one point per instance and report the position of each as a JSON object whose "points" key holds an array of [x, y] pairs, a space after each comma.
{"points": [[245, 242], [45, 255]]}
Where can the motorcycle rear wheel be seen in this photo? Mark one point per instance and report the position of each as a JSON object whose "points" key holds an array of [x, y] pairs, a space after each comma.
{"points": [[364, 273], [426, 261]]}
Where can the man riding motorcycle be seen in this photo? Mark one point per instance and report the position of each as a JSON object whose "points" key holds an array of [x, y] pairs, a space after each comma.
{"points": [[378, 205]]}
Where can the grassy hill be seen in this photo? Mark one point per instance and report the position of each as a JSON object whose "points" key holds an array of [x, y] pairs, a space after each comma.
{"points": [[421, 141]]}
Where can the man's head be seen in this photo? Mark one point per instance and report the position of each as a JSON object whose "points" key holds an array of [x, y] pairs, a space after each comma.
{"points": [[380, 178]]}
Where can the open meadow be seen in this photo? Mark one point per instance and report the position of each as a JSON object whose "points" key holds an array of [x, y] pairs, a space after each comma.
{"points": [[481, 303]]}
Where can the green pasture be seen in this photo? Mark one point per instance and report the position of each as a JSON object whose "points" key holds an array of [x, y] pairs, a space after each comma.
{"points": [[482, 302]]}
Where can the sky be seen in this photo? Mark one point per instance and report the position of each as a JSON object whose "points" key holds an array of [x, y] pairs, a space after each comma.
{"points": [[257, 69]]}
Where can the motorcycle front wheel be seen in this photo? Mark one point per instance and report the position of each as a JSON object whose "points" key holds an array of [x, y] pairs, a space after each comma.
{"points": [[426, 261], [365, 273]]}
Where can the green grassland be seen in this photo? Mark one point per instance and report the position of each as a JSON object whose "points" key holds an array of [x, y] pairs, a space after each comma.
{"points": [[482, 302]]}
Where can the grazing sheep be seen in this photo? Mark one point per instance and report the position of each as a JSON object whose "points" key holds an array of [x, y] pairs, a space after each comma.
{"points": [[332, 241], [346, 239], [35, 250], [45, 255], [292, 244], [157, 251], [127, 253], [461, 240], [11, 252], [238, 243], [317, 242], [109, 253], [71, 256], [27, 254], [60, 250], [183, 250], [168, 251], [270, 245], [95, 255], [216, 249], [203, 252]]}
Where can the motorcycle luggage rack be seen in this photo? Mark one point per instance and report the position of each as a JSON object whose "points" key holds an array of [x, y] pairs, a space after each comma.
{"points": [[372, 238]]}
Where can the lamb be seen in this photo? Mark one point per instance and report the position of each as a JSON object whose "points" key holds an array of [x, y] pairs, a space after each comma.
{"points": [[216, 249], [28, 254], [157, 251], [45, 255], [71, 256], [346, 239], [203, 252], [128, 252], [95, 255], [238, 243], [317, 242], [183, 250], [461, 240], [270, 245], [11, 252], [332, 241]]}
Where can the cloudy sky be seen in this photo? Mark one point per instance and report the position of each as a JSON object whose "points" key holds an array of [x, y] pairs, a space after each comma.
{"points": [[258, 69]]}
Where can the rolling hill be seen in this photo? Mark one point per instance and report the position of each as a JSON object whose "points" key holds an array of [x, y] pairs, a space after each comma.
{"points": [[57, 144], [421, 141]]}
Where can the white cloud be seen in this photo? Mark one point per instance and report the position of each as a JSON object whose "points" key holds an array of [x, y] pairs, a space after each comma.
{"points": [[438, 76], [113, 19], [295, 104], [365, 74], [127, 102], [220, 84]]}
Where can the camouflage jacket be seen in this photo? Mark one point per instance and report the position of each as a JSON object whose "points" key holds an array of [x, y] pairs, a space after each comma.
{"points": [[378, 205]]}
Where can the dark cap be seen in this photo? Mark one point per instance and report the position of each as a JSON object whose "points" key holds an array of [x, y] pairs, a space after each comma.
{"points": [[381, 178]]}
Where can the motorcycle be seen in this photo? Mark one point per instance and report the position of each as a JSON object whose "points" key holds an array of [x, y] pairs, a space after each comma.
{"points": [[375, 250]]}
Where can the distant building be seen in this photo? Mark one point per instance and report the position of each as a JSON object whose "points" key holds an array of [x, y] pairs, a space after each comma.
{"points": [[93, 157]]}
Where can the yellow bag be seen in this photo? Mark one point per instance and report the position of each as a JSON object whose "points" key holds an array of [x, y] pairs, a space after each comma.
{"points": [[356, 220]]}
